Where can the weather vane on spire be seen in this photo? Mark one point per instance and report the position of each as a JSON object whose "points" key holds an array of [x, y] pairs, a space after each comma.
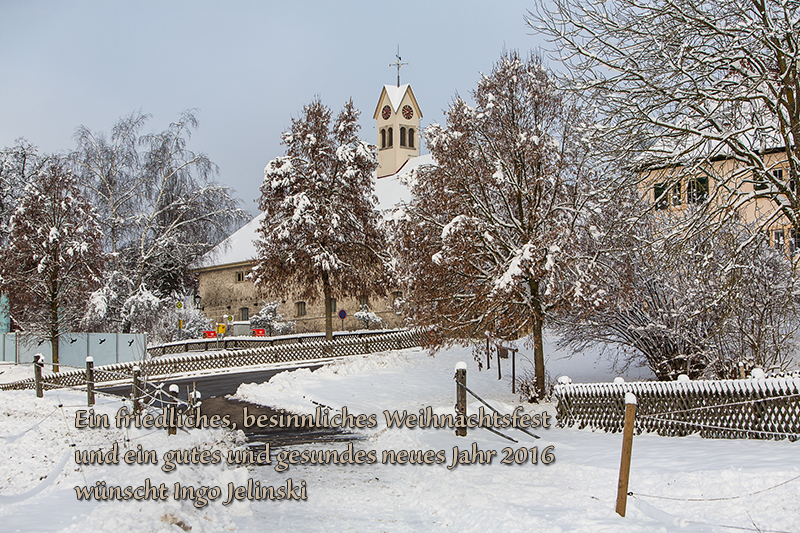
{"points": [[398, 64]]}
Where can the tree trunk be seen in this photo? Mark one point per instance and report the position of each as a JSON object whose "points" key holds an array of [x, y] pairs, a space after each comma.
{"points": [[54, 322], [538, 341], [326, 293]]}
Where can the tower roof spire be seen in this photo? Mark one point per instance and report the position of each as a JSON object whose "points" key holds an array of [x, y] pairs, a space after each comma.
{"points": [[398, 64]]}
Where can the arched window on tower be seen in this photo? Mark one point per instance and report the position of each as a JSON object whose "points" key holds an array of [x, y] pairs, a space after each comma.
{"points": [[402, 136], [383, 138], [411, 137], [390, 140]]}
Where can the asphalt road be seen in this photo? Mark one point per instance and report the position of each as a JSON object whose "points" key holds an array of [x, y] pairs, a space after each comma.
{"points": [[211, 386], [214, 388]]}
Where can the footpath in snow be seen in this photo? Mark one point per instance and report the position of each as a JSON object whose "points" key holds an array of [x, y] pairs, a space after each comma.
{"points": [[575, 492]]}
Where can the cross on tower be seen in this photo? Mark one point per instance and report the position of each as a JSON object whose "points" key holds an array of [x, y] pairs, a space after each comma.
{"points": [[398, 64]]}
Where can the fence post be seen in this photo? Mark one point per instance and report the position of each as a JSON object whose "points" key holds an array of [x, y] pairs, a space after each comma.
{"points": [[513, 371], [742, 375], [89, 380], [625, 460], [135, 390], [37, 374], [499, 374], [488, 353], [174, 390], [461, 396]]}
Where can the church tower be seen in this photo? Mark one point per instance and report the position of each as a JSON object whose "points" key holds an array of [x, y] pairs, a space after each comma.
{"points": [[397, 116]]}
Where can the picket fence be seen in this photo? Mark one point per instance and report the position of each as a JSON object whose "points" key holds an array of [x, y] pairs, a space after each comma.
{"points": [[285, 353], [766, 408]]}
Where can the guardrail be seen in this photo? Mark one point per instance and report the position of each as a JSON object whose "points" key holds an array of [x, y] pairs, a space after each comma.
{"points": [[236, 343], [282, 353]]}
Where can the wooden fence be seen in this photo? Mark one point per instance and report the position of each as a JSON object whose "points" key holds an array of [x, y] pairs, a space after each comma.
{"points": [[284, 353], [744, 408]]}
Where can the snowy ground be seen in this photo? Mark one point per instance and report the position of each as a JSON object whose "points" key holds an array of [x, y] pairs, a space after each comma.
{"points": [[575, 493]]}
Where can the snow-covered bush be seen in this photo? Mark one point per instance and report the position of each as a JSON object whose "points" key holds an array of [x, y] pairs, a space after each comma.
{"points": [[367, 318], [695, 307], [271, 320]]}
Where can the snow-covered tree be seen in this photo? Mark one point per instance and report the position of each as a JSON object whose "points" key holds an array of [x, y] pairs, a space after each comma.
{"points": [[685, 85], [161, 211], [698, 308], [320, 235], [489, 240], [17, 164], [54, 256], [271, 320]]}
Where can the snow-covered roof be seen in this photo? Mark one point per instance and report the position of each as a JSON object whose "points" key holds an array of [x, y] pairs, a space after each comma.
{"points": [[395, 94], [396, 188], [238, 248]]}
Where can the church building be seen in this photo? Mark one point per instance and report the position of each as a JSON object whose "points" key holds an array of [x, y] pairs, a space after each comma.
{"points": [[222, 273]]}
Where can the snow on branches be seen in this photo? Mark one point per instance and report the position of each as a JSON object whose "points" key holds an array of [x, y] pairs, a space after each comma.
{"points": [[320, 235], [54, 256], [488, 242], [687, 85]]}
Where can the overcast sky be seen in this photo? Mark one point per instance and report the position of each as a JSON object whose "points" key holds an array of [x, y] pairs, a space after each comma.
{"points": [[247, 67]]}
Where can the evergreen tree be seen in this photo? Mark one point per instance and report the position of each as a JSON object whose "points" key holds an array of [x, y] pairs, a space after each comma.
{"points": [[320, 235]]}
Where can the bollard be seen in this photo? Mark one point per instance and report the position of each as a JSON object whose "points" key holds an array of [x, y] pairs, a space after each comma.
{"points": [[136, 391], [625, 460], [89, 381], [461, 396], [742, 374], [38, 363]]}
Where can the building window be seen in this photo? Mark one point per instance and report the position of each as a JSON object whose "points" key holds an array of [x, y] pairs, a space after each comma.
{"points": [[759, 183], [794, 242], [239, 277], [777, 176], [397, 295], [332, 305], [244, 314], [402, 136], [660, 195], [383, 138], [697, 190], [363, 301], [299, 309], [778, 241], [390, 139], [411, 137]]}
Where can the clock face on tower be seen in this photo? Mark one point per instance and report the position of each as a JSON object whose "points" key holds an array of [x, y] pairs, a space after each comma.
{"points": [[386, 112], [407, 112]]}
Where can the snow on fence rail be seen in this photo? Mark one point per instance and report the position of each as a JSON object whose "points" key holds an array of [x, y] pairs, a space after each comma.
{"points": [[284, 353], [744, 408], [234, 343]]}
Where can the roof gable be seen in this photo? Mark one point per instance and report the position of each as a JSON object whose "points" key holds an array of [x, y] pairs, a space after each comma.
{"points": [[395, 96]]}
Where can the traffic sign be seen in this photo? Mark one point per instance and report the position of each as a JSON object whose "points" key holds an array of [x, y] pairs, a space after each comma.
{"points": [[342, 314]]}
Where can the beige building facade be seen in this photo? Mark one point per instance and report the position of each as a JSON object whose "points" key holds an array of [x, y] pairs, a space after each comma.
{"points": [[674, 189]]}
